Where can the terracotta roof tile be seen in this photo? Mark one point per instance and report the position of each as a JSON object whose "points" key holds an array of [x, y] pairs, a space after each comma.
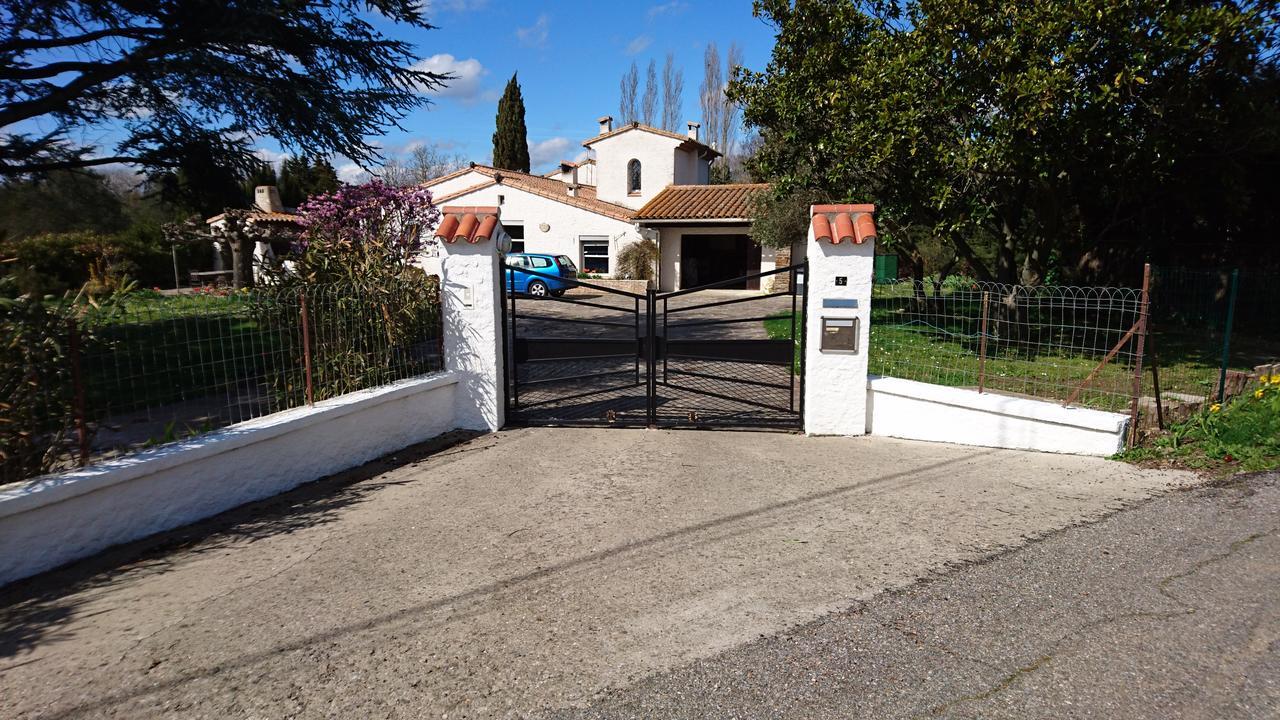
{"points": [[549, 188], [686, 141], [470, 223], [701, 202], [852, 223], [261, 216]]}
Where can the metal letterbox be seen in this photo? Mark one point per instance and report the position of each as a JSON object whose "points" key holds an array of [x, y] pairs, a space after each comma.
{"points": [[839, 335]]}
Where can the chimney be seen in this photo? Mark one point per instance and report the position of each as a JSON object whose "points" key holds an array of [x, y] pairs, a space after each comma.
{"points": [[606, 124], [573, 181], [693, 130], [267, 198]]}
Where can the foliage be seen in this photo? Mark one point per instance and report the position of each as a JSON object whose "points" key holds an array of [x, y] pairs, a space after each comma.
{"points": [[1080, 137], [59, 202], [201, 80], [638, 260], [422, 163], [1242, 435], [300, 178], [55, 263], [782, 218], [37, 393], [356, 259], [510, 138]]}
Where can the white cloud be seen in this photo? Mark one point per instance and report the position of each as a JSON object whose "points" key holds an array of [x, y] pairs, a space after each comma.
{"points": [[272, 156], [434, 6], [549, 151], [638, 44], [535, 35], [353, 174], [675, 7], [465, 85]]}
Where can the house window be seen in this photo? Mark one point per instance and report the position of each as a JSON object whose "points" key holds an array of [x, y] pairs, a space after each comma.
{"points": [[633, 177], [595, 254], [516, 233]]}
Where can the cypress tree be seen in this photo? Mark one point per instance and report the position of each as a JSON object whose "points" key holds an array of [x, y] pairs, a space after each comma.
{"points": [[510, 142]]}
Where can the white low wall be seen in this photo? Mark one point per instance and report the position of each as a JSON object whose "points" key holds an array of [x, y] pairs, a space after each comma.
{"points": [[920, 411], [55, 519]]}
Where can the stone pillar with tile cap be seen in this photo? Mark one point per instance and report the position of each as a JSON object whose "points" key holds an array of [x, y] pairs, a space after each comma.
{"points": [[471, 241], [841, 254]]}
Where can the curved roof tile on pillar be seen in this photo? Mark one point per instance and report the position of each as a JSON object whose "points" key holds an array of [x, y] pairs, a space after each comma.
{"points": [[853, 223], [470, 223]]}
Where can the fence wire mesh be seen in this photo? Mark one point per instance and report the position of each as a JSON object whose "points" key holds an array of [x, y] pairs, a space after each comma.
{"points": [[1044, 342], [155, 368]]}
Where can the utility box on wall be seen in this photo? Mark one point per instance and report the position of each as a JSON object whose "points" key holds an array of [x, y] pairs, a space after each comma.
{"points": [[840, 335]]}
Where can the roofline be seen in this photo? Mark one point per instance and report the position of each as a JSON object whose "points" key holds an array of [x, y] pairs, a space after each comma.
{"points": [[623, 214], [685, 139], [448, 176], [694, 221]]}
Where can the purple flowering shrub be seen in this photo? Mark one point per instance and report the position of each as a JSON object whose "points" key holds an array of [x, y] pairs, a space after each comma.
{"points": [[373, 315], [363, 233]]}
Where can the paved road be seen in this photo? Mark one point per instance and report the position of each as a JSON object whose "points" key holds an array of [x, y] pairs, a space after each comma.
{"points": [[522, 571], [1168, 610]]}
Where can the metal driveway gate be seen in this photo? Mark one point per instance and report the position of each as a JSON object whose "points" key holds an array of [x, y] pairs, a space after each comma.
{"points": [[700, 357]]}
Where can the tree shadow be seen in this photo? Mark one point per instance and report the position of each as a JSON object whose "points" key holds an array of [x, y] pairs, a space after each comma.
{"points": [[34, 610]]}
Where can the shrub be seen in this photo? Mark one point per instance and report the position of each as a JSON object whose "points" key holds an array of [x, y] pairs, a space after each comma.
{"points": [[55, 263], [638, 261]]}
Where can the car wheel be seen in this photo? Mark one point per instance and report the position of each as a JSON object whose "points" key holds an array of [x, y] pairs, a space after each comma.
{"points": [[537, 288]]}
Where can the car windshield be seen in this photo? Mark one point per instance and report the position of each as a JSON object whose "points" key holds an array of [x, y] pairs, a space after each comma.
{"points": [[566, 262]]}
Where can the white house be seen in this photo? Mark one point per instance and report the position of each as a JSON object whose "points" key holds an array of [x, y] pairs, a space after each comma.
{"points": [[638, 181]]}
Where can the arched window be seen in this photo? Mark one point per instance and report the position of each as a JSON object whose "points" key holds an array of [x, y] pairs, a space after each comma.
{"points": [[633, 177]]}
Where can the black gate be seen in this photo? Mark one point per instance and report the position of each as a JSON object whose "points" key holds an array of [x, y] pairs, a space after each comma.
{"points": [[700, 357]]}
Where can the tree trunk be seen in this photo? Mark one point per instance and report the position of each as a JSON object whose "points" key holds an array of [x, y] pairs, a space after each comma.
{"points": [[241, 263]]}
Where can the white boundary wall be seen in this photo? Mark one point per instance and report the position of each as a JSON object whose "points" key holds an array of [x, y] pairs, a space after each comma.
{"points": [[920, 411], [53, 520]]}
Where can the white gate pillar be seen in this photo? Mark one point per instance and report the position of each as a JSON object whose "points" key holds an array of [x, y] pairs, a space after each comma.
{"points": [[472, 239], [837, 316]]}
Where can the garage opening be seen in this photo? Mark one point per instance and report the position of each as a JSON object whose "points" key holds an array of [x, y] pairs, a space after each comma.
{"points": [[706, 259]]}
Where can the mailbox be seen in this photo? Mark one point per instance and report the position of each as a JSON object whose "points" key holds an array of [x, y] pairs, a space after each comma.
{"points": [[839, 335]]}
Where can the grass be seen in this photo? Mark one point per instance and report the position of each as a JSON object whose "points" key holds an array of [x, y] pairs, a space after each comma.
{"points": [[1242, 435]]}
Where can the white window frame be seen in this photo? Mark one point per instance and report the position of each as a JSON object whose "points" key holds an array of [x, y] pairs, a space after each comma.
{"points": [[583, 241]]}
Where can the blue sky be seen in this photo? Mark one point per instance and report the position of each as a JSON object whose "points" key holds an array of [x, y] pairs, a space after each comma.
{"points": [[569, 55]]}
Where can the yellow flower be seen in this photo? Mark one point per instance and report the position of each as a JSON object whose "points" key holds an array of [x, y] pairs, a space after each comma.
{"points": [[1263, 379], [1258, 393], [1275, 379], [1215, 407]]}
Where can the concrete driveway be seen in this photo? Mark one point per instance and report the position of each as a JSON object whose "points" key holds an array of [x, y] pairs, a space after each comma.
{"points": [[520, 572]]}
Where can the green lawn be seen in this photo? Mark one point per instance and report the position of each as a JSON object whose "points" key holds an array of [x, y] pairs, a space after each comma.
{"points": [[946, 351]]}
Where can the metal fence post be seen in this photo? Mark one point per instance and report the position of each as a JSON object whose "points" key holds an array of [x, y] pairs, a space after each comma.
{"points": [[1143, 315], [982, 342], [77, 383], [306, 347], [1226, 335]]}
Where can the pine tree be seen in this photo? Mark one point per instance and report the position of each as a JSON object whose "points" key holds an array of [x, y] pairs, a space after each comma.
{"points": [[510, 141]]}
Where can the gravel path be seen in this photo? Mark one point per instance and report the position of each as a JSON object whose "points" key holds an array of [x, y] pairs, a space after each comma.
{"points": [[1167, 610]]}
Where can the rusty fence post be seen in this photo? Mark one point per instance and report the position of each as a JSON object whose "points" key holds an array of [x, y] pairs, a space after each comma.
{"points": [[982, 343], [306, 347], [77, 384], [1143, 318]]}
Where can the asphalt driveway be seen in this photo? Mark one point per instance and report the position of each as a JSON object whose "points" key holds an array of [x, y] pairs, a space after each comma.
{"points": [[522, 572]]}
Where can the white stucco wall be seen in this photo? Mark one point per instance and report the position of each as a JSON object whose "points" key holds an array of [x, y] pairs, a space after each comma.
{"points": [[53, 520], [835, 398], [920, 411], [657, 156], [566, 224], [472, 314]]}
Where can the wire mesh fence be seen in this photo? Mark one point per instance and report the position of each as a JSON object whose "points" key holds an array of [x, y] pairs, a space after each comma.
{"points": [[1204, 343], [1045, 342], [150, 368]]}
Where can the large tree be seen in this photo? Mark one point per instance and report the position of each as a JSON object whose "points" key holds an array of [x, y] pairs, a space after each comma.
{"points": [[510, 138], [1077, 138], [188, 83]]}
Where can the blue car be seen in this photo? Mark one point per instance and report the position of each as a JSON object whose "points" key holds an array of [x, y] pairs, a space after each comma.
{"points": [[560, 268]]}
